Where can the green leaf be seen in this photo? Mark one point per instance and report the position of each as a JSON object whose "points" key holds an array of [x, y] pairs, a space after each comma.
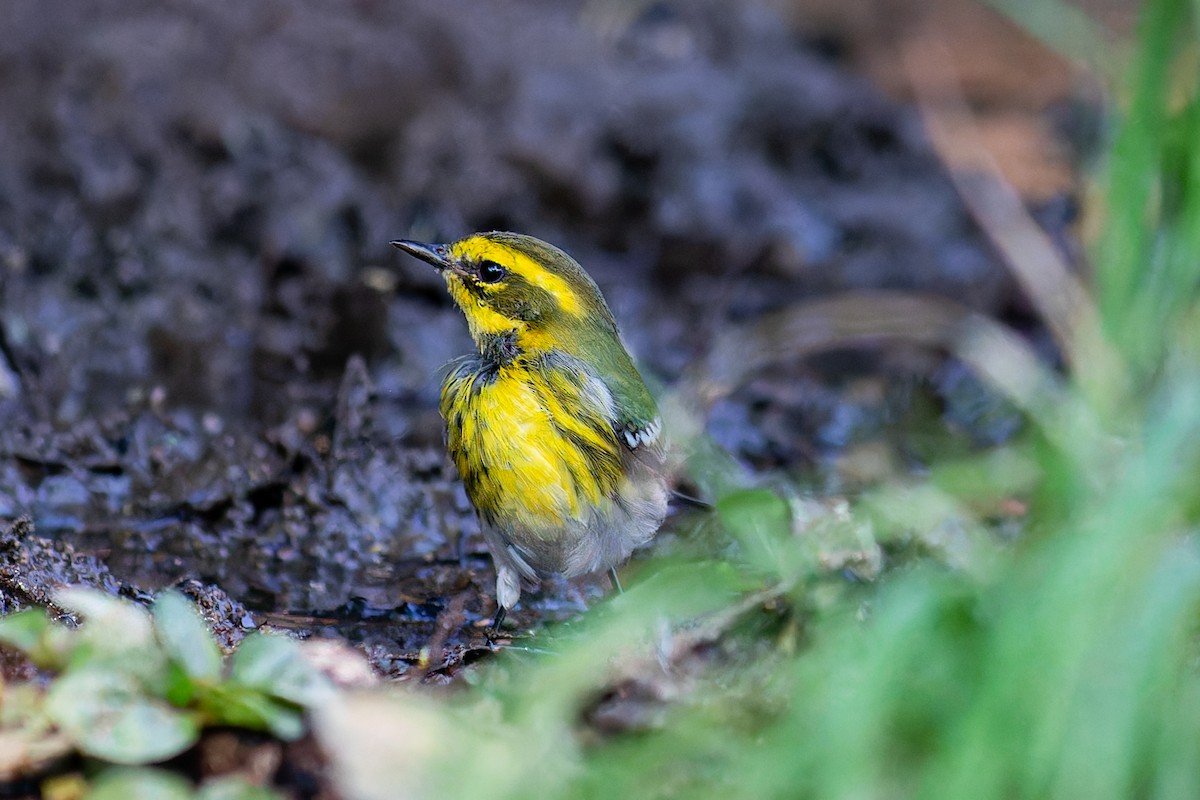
{"points": [[274, 665], [116, 634], [126, 783], [185, 637], [110, 624], [762, 523], [249, 707], [235, 788], [177, 687], [108, 715], [24, 630], [34, 633]]}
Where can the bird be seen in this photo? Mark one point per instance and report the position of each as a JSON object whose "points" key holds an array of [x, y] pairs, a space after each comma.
{"points": [[554, 433]]}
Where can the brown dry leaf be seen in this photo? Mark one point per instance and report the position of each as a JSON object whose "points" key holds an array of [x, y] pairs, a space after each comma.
{"points": [[382, 745], [27, 752]]}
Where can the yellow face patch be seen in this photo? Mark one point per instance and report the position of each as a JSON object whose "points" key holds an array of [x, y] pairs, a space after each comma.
{"points": [[480, 248], [481, 319]]}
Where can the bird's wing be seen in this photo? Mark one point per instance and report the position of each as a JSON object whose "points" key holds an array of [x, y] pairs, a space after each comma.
{"points": [[635, 414], [635, 435]]}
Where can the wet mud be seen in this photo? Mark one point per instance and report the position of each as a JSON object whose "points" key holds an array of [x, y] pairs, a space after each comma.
{"points": [[217, 374]]}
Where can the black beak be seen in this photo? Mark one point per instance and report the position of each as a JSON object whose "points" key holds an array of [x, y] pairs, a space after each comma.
{"points": [[436, 254]]}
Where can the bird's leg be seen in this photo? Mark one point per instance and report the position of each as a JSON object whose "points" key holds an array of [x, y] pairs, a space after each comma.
{"points": [[612, 573], [508, 592], [689, 500], [498, 620]]}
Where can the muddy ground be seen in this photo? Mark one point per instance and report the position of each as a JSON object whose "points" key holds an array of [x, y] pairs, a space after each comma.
{"points": [[217, 374]]}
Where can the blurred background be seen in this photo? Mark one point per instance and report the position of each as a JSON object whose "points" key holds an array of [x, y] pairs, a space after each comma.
{"points": [[197, 197], [916, 284], [214, 366]]}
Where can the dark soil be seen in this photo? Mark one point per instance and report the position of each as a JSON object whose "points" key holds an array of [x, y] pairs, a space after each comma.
{"points": [[217, 374]]}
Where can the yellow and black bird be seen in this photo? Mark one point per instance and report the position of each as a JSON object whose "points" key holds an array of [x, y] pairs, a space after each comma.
{"points": [[551, 427]]}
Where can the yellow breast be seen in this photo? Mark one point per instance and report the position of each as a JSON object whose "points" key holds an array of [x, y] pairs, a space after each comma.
{"points": [[533, 446]]}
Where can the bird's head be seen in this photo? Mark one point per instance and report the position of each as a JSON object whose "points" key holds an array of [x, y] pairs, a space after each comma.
{"points": [[521, 288]]}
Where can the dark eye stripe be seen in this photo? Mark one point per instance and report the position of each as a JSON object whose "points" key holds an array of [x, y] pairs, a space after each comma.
{"points": [[490, 271]]}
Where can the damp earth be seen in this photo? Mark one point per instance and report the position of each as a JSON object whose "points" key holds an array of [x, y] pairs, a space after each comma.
{"points": [[218, 376]]}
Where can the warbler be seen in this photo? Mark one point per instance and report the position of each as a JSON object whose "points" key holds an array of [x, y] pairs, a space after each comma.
{"points": [[550, 425]]}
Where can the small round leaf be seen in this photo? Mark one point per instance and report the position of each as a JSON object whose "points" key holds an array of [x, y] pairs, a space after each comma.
{"points": [[275, 666], [108, 716], [126, 783], [185, 638]]}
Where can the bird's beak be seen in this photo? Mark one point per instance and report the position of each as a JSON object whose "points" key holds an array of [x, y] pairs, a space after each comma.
{"points": [[436, 254]]}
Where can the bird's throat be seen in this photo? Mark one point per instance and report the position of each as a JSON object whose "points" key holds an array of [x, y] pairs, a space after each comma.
{"points": [[502, 349]]}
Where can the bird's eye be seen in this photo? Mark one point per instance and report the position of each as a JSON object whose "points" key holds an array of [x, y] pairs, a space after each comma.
{"points": [[490, 272]]}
